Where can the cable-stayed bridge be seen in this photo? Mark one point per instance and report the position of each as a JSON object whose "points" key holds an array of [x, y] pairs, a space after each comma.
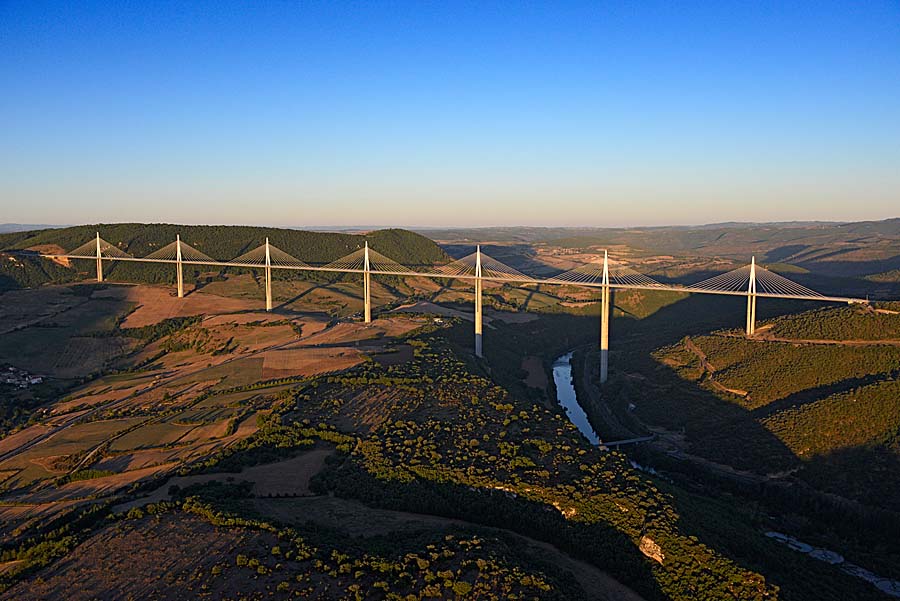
{"points": [[752, 281]]}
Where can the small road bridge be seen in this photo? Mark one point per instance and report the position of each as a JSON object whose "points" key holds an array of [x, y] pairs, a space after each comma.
{"points": [[751, 281]]}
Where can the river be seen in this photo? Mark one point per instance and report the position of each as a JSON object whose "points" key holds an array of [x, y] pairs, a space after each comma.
{"points": [[565, 394]]}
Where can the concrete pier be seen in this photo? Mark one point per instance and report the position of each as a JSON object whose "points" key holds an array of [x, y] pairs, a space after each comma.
{"points": [[478, 309], [604, 333], [751, 299], [99, 260], [367, 287], [268, 278], [179, 273], [605, 292]]}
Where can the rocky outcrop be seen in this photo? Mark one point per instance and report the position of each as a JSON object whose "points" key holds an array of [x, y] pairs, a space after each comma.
{"points": [[651, 549]]}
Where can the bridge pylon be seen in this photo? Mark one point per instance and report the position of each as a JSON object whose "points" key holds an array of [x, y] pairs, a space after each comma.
{"points": [[99, 260], [750, 280], [179, 272], [268, 277], [367, 286], [751, 299], [604, 320], [478, 308]]}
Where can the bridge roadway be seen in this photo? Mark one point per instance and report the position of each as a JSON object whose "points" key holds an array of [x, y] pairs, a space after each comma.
{"points": [[752, 281], [440, 275]]}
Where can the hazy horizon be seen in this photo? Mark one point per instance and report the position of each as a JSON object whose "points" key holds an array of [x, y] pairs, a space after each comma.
{"points": [[463, 115], [14, 226]]}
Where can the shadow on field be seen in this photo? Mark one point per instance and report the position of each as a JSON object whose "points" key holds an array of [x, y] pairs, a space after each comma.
{"points": [[286, 304]]}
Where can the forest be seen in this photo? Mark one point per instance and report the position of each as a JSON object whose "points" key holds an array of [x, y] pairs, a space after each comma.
{"points": [[881, 321]]}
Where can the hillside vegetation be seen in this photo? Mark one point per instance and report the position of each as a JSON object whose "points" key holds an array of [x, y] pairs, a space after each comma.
{"points": [[769, 371], [432, 437], [27, 272], [218, 241], [856, 322], [830, 411]]}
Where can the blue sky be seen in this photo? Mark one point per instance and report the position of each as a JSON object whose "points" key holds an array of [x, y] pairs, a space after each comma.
{"points": [[449, 113]]}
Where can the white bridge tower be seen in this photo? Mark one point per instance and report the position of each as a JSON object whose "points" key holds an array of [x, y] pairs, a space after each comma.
{"points": [[99, 260], [604, 320], [751, 299], [478, 311], [268, 277], [179, 273], [367, 286]]}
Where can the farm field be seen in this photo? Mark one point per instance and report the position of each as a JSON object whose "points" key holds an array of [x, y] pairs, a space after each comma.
{"points": [[60, 342], [308, 361], [156, 303], [23, 308], [150, 436], [288, 478], [206, 362]]}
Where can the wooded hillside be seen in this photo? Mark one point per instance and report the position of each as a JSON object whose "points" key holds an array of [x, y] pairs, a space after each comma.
{"points": [[218, 241]]}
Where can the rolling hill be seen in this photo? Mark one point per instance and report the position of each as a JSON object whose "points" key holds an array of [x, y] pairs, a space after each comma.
{"points": [[219, 242]]}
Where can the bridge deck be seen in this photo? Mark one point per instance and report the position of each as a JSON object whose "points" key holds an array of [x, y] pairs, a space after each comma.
{"points": [[438, 275]]}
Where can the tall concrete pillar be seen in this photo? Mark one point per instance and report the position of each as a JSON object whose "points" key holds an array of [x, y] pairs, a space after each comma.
{"points": [[753, 315], [99, 260], [604, 334], [179, 274], [367, 287], [268, 278], [604, 321], [478, 310], [749, 327], [751, 299]]}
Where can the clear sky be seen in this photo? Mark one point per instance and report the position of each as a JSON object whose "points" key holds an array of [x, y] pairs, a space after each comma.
{"points": [[449, 113]]}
